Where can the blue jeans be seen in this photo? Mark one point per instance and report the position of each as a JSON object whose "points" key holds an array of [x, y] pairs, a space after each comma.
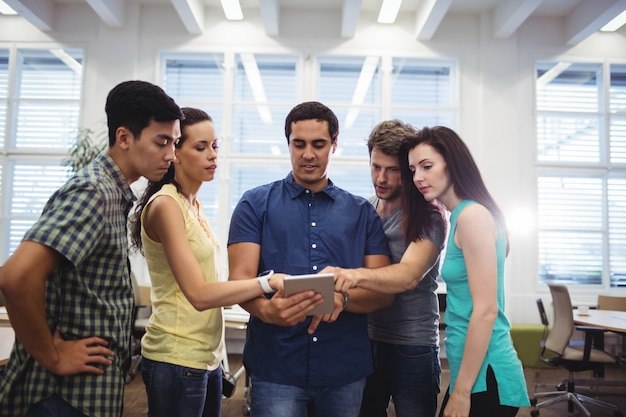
{"points": [[180, 391], [408, 374], [54, 406], [276, 400]]}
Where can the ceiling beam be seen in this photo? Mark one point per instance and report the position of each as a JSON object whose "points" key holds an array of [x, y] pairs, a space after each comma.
{"points": [[429, 17], [191, 13], [350, 12], [38, 13], [270, 13], [589, 16], [510, 14], [110, 12]]}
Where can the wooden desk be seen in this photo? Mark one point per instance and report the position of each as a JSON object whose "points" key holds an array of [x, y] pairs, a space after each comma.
{"points": [[614, 321], [7, 337]]}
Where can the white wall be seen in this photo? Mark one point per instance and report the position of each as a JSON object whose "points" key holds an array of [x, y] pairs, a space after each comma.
{"points": [[496, 84]]}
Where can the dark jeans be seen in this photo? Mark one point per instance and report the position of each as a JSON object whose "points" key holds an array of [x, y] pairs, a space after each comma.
{"points": [[180, 391], [408, 374], [485, 403]]}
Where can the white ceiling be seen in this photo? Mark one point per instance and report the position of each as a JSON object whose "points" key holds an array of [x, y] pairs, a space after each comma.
{"points": [[581, 17]]}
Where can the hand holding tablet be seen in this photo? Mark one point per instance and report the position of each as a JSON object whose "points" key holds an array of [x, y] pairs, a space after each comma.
{"points": [[322, 283]]}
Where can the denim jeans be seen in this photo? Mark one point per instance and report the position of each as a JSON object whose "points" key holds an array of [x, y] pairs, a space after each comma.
{"points": [[276, 400], [54, 406], [408, 374], [180, 391]]}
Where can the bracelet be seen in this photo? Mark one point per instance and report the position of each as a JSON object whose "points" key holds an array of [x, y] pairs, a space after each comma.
{"points": [[346, 300], [264, 281]]}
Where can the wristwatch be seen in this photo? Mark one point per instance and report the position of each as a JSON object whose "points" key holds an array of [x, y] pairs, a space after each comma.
{"points": [[346, 300], [264, 280]]}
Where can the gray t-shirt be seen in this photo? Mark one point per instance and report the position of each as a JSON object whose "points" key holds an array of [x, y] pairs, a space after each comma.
{"points": [[413, 318]]}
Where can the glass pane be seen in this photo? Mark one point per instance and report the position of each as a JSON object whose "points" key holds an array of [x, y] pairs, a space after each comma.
{"points": [[570, 229], [354, 129], [208, 195], [266, 78], [565, 86], [46, 124], [568, 138], [246, 177], [195, 78], [17, 230], [617, 231], [354, 80], [33, 184], [618, 139], [567, 203], [423, 118], [418, 82], [252, 134], [617, 91], [570, 258], [355, 179], [50, 74], [4, 94]]}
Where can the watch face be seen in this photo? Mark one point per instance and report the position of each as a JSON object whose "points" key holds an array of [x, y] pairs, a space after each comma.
{"points": [[266, 273]]}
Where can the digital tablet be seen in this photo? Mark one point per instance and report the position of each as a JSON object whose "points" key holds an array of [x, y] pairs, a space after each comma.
{"points": [[321, 283]]}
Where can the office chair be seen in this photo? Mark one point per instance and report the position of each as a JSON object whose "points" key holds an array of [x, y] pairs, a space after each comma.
{"points": [[571, 357], [615, 303]]}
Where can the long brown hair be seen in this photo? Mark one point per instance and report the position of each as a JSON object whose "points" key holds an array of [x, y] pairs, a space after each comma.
{"points": [[464, 173]]}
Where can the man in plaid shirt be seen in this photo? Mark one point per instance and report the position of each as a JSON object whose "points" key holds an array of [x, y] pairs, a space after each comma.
{"points": [[67, 286]]}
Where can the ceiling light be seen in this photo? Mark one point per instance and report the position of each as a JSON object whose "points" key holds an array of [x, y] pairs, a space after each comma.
{"points": [[389, 11], [6, 9], [232, 9], [616, 23]]}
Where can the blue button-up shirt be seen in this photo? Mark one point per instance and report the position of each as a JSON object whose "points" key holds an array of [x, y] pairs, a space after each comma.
{"points": [[301, 233]]}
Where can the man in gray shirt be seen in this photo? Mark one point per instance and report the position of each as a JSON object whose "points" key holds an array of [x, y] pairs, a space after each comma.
{"points": [[405, 336]]}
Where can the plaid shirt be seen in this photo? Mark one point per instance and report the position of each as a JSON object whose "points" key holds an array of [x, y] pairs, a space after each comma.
{"points": [[88, 295]]}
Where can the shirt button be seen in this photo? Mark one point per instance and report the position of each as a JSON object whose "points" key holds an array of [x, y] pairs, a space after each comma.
{"points": [[315, 268], [314, 246], [313, 224], [315, 339], [307, 191]]}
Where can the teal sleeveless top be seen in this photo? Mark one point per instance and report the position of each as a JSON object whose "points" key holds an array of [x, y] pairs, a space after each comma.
{"points": [[501, 354]]}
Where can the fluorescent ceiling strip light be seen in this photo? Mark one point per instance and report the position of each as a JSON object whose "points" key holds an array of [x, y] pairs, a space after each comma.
{"points": [[617, 22], [389, 11], [6, 9], [232, 9], [256, 83], [363, 84], [552, 73], [68, 60]]}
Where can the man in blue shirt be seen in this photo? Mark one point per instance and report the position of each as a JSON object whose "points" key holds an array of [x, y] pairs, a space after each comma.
{"points": [[302, 366]]}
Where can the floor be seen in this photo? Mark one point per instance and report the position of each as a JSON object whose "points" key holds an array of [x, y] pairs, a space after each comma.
{"points": [[135, 397]]}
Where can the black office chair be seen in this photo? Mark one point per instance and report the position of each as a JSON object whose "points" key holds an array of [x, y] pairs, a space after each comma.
{"points": [[143, 310], [558, 351]]}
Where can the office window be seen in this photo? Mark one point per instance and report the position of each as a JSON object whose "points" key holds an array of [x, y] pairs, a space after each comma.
{"points": [[40, 94], [252, 93], [581, 165]]}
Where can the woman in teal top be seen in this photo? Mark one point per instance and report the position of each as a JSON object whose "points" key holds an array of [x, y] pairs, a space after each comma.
{"points": [[486, 375]]}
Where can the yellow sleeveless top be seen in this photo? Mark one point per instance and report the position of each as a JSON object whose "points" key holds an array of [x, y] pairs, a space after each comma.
{"points": [[177, 333]]}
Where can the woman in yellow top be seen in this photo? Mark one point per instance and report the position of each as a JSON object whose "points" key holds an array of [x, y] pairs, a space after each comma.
{"points": [[182, 347]]}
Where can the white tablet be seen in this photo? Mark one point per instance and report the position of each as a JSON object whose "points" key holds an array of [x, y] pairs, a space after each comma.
{"points": [[321, 283]]}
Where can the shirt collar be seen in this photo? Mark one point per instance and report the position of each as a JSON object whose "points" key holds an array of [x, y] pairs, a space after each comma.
{"points": [[294, 189]]}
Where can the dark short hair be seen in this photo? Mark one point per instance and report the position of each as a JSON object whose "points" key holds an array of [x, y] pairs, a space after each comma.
{"points": [[313, 110], [388, 136], [134, 104]]}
